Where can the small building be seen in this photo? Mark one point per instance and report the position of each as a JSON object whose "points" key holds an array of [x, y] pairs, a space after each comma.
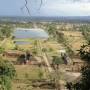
{"points": [[62, 51]]}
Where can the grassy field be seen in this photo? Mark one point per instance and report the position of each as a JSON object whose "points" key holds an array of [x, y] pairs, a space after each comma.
{"points": [[28, 71], [75, 39], [24, 73]]}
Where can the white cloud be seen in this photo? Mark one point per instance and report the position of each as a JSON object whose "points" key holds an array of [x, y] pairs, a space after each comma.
{"points": [[66, 9], [85, 7]]}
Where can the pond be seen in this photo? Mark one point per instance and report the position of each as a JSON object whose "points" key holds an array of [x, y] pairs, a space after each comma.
{"points": [[22, 33], [22, 42]]}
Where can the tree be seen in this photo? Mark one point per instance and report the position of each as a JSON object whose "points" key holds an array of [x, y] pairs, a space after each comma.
{"points": [[84, 82], [7, 74], [85, 29], [1, 50], [61, 39], [56, 61], [6, 31], [40, 74], [22, 59], [85, 55], [51, 30]]}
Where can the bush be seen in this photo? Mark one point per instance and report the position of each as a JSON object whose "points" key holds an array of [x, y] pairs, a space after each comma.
{"points": [[1, 50], [7, 74]]}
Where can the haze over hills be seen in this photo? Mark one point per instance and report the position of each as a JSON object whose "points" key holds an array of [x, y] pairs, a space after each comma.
{"points": [[44, 18]]}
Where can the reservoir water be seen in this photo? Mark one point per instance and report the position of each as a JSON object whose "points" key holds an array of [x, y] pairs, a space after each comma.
{"points": [[22, 42], [23, 33]]}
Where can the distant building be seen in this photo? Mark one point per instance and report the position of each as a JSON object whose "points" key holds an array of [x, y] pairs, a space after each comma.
{"points": [[61, 51]]}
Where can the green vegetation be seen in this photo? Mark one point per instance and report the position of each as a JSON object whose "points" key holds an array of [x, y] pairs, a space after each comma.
{"points": [[51, 30], [86, 32], [7, 74], [32, 70], [63, 40], [40, 74], [1, 50], [84, 82], [57, 60], [59, 36], [5, 31]]}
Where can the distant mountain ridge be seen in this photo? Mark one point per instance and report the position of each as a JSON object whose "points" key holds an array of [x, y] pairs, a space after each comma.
{"points": [[48, 19]]}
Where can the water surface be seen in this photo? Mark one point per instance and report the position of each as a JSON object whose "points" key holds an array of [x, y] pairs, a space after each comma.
{"points": [[21, 33], [22, 42]]}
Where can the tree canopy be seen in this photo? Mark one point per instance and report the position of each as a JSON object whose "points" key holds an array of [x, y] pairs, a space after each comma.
{"points": [[7, 74], [84, 82]]}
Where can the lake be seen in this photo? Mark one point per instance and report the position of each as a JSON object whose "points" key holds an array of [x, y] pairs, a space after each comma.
{"points": [[21, 33], [22, 42]]}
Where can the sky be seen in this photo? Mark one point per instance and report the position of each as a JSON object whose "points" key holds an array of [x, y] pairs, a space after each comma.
{"points": [[48, 8]]}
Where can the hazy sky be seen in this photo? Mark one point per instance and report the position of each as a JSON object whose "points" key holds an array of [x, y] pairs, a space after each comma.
{"points": [[48, 8]]}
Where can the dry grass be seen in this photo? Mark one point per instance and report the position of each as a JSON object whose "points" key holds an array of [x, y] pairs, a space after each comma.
{"points": [[75, 39], [54, 45], [27, 71]]}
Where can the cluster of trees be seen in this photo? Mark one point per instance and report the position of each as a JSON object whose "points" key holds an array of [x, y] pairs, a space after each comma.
{"points": [[62, 39], [84, 82], [7, 74], [59, 36], [85, 32], [51, 28], [5, 31], [1, 50]]}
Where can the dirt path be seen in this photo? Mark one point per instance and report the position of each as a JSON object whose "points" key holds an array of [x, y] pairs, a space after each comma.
{"points": [[34, 25], [45, 58], [47, 63]]}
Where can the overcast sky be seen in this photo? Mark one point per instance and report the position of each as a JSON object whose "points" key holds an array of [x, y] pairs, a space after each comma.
{"points": [[48, 8]]}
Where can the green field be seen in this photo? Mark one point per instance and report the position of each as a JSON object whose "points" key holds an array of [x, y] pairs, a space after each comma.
{"points": [[26, 74]]}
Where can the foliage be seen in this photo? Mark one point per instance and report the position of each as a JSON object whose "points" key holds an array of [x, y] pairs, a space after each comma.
{"points": [[26, 75], [21, 59], [34, 51], [85, 52], [62, 39], [35, 48], [1, 50], [40, 74], [6, 31], [84, 82], [86, 35], [52, 30], [51, 50], [7, 74], [16, 47], [57, 60], [85, 32], [44, 49]]}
